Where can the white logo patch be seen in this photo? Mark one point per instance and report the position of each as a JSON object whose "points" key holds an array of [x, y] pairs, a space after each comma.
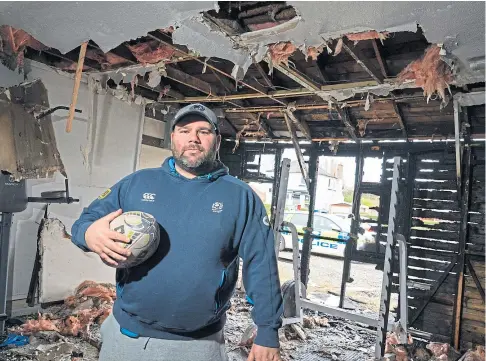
{"points": [[217, 207], [266, 221], [148, 197]]}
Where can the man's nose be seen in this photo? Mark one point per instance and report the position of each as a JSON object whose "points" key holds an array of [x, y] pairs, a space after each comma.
{"points": [[194, 137]]}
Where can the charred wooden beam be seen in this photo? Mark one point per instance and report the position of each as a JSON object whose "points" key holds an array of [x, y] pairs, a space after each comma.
{"points": [[476, 279], [301, 124], [298, 77], [363, 62], [308, 235], [298, 151], [72, 58], [264, 75], [384, 72], [433, 290], [225, 82], [400, 119], [171, 92], [190, 81], [379, 58], [181, 52], [466, 181], [344, 115]]}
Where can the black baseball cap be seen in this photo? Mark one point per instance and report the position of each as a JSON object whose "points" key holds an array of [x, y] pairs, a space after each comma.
{"points": [[196, 109]]}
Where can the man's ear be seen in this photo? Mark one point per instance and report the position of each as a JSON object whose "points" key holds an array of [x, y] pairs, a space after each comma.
{"points": [[218, 141]]}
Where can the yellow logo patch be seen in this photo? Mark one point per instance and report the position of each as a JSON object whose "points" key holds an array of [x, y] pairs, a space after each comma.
{"points": [[104, 194]]}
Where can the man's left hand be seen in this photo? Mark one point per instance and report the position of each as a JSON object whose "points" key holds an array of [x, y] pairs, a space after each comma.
{"points": [[261, 353]]}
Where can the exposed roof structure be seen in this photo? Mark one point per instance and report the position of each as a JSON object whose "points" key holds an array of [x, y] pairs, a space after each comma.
{"points": [[335, 72]]}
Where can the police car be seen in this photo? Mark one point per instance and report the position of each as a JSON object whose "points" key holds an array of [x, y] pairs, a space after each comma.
{"points": [[330, 234]]}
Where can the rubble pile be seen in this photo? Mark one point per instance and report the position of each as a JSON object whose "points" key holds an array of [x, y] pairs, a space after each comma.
{"points": [[91, 303], [318, 338], [67, 332], [70, 332], [420, 351]]}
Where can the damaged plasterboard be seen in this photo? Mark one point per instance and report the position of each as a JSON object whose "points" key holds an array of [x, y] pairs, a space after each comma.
{"points": [[28, 147], [64, 266], [197, 35], [458, 25], [65, 25]]}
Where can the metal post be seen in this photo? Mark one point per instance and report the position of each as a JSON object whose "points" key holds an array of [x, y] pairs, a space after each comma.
{"points": [[403, 288], [282, 197], [380, 209], [296, 266], [4, 248], [276, 178], [298, 151], [458, 145], [350, 244], [411, 174], [462, 244], [387, 270], [307, 244]]}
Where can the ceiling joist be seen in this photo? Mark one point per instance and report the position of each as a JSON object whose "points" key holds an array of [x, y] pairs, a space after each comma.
{"points": [[363, 61]]}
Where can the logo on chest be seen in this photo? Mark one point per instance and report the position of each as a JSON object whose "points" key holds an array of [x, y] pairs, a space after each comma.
{"points": [[217, 207], [148, 197]]}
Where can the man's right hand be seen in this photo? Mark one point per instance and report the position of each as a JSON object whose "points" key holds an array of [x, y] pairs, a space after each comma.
{"points": [[102, 240]]}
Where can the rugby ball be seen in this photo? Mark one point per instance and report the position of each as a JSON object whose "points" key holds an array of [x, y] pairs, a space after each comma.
{"points": [[143, 231]]}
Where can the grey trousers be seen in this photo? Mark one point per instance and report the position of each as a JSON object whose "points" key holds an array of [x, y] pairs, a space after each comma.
{"points": [[118, 347]]}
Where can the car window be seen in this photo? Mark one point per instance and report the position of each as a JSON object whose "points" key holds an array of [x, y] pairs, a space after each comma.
{"points": [[324, 224], [299, 220]]}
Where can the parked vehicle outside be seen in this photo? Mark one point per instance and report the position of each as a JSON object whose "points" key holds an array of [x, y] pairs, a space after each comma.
{"points": [[330, 233]]}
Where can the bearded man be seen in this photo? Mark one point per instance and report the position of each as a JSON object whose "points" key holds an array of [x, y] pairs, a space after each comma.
{"points": [[173, 306]]}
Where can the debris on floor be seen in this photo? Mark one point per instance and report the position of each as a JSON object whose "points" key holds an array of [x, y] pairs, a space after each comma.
{"points": [[70, 332], [416, 350]]}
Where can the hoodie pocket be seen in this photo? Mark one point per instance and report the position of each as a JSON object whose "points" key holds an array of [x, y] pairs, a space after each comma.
{"points": [[229, 275]]}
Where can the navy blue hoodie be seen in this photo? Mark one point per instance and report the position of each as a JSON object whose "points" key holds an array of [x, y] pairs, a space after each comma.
{"points": [[183, 291]]}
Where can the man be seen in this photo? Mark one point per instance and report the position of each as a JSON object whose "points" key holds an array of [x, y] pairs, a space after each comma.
{"points": [[172, 307]]}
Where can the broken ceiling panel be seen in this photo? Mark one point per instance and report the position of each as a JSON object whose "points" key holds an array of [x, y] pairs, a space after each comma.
{"points": [[65, 25], [29, 148], [207, 42]]}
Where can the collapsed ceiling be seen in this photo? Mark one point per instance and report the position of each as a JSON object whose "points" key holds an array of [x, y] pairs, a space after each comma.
{"points": [[351, 70]]}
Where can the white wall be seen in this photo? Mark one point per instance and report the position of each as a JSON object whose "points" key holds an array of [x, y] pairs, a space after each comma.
{"points": [[103, 146], [152, 157]]}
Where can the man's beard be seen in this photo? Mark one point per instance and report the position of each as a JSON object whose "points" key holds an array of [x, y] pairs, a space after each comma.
{"points": [[199, 166]]}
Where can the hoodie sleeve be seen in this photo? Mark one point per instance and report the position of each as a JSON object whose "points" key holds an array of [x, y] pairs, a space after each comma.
{"points": [[109, 201], [260, 271]]}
